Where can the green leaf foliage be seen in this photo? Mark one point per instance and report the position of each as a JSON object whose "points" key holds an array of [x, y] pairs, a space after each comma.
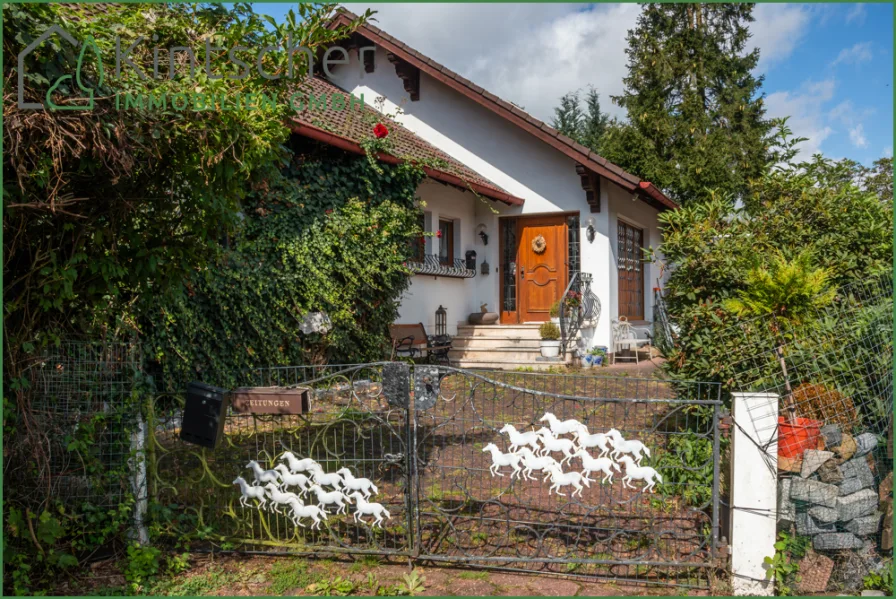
{"points": [[103, 208], [696, 118], [803, 232], [328, 234]]}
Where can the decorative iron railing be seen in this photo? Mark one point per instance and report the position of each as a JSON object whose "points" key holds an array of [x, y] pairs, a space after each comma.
{"points": [[572, 318], [431, 265], [663, 332]]}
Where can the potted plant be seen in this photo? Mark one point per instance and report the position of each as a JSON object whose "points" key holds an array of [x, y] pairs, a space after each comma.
{"points": [[586, 357], [550, 340], [573, 299], [555, 312], [597, 355]]}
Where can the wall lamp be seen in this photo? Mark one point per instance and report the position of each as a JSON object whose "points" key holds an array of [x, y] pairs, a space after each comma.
{"points": [[589, 232], [482, 234]]}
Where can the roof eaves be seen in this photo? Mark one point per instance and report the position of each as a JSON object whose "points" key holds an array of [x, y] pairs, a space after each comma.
{"points": [[596, 162], [305, 129]]}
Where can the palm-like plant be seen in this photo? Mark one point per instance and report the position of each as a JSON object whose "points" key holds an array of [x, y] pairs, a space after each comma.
{"points": [[792, 291]]}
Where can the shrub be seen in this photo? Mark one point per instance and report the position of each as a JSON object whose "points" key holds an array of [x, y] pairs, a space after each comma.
{"points": [[549, 331], [718, 253], [331, 234], [555, 309]]}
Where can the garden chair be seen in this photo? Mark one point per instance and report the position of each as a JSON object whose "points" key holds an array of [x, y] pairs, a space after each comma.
{"points": [[411, 341], [624, 338]]}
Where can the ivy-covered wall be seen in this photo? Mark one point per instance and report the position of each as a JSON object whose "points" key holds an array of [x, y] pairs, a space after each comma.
{"points": [[329, 233]]}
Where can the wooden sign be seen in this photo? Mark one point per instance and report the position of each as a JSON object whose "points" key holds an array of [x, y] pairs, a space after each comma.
{"points": [[270, 400]]}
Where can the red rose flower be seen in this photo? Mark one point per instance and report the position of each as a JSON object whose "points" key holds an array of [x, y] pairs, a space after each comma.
{"points": [[380, 131], [439, 233], [328, 210]]}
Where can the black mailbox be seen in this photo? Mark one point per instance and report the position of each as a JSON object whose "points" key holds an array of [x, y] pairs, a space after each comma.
{"points": [[204, 414], [471, 260]]}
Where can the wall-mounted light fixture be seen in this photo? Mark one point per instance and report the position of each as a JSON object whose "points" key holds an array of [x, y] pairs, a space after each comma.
{"points": [[482, 234], [589, 232]]}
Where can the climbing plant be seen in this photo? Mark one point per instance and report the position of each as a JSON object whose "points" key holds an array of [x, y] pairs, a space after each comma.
{"points": [[327, 234]]}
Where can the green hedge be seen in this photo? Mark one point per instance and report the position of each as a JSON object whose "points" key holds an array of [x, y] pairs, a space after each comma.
{"points": [[330, 233]]}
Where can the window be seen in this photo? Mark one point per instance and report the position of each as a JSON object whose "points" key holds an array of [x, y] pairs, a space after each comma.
{"points": [[446, 242], [418, 245]]}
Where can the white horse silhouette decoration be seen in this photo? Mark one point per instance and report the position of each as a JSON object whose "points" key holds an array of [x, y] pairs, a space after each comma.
{"points": [[250, 492], [621, 446], [645, 473]]}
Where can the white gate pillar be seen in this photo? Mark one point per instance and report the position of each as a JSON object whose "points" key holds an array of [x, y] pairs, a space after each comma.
{"points": [[754, 490]]}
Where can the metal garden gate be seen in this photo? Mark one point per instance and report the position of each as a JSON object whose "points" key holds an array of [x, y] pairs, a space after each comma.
{"points": [[418, 432]]}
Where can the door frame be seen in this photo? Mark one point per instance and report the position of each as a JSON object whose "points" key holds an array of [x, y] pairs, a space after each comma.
{"points": [[514, 316], [638, 227]]}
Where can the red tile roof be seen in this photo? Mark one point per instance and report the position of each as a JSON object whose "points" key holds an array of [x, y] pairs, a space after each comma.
{"points": [[349, 127], [581, 154]]}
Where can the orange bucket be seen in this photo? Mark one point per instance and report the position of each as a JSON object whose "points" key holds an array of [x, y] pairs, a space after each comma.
{"points": [[797, 435]]}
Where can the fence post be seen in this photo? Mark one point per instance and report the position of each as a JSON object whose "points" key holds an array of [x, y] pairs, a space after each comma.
{"points": [[137, 463], [754, 490]]}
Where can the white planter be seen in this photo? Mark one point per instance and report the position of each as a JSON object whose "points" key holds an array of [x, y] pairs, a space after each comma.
{"points": [[586, 361], [550, 348], [555, 320]]}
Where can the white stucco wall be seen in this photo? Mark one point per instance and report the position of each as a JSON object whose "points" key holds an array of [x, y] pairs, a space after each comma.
{"points": [[459, 296], [516, 161]]}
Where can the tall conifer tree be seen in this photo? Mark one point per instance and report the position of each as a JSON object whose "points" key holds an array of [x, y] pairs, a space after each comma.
{"points": [[696, 119], [568, 116]]}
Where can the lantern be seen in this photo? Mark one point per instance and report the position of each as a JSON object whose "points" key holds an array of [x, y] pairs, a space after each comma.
{"points": [[441, 321]]}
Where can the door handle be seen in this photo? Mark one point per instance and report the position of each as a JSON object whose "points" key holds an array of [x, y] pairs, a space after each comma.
{"points": [[522, 273]]}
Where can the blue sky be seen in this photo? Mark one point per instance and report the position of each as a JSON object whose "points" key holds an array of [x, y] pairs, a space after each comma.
{"points": [[828, 66]]}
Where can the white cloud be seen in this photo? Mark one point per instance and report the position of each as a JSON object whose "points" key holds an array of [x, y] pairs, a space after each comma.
{"points": [[530, 54], [856, 15], [888, 151], [806, 109], [847, 114], [858, 54], [778, 30], [857, 136]]}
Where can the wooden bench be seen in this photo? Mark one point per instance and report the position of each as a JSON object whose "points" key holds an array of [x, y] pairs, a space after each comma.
{"points": [[411, 341]]}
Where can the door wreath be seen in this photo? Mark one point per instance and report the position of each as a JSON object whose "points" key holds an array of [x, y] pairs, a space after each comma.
{"points": [[539, 244]]}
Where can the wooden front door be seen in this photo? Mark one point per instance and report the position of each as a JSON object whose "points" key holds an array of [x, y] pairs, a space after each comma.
{"points": [[630, 266], [542, 274]]}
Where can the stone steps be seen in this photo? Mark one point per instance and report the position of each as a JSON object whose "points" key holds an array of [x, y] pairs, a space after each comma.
{"points": [[504, 347], [504, 365], [481, 342], [529, 331]]}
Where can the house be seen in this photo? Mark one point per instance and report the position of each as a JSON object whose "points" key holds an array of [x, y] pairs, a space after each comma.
{"points": [[534, 206]]}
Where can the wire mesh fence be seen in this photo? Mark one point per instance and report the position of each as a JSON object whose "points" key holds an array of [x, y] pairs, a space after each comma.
{"points": [[424, 454], [351, 425], [78, 442], [417, 433], [607, 529], [833, 366], [832, 371]]}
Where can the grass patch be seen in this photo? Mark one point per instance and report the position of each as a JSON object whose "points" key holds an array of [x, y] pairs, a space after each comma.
{"points": [[287, 575], [206, 583], [473, 575]]}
